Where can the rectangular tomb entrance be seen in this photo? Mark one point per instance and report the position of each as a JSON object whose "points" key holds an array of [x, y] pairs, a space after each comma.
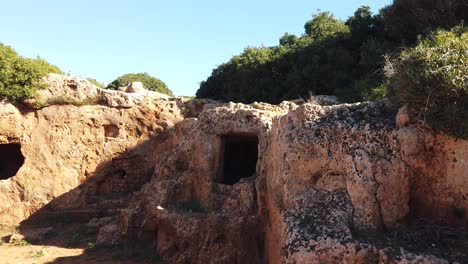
{"points": [[239, 158]]}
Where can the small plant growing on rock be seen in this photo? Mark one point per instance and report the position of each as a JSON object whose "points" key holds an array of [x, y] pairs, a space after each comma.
{"points": [[38, 253], [312, 99], [68, 100], [91, 246], [22, 243]]}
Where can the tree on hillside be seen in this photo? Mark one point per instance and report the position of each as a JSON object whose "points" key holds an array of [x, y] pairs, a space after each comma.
{"points": [[323, 25], [331, 57], [319, 62], [149, 82], [406, 19], [287, 39], [20, 77]]}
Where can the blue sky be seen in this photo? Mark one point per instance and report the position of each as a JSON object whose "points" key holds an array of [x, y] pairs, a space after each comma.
{"points": [[178, 41]]}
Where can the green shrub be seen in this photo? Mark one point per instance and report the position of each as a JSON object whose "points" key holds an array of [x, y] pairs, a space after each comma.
{"points": [[149, 82], [324, 25], [22, 243], [95, 82], [20, 77], [63, 99], [432, 79]]}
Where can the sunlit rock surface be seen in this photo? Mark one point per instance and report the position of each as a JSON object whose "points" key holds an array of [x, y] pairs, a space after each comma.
{"points": [[175, 174]]}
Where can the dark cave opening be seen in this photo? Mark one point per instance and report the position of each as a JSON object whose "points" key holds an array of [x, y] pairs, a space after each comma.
{"points": [[240, 154], [11, 160]]}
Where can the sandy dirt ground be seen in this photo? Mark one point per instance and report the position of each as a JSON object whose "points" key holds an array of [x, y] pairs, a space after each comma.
{"points": [[57, 249], [35, 254], [39, 254]]}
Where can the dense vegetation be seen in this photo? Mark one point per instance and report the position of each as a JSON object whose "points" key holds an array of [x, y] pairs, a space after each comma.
{"points": [[332, 57], [20, 77], [432, 79], [149, 82]]}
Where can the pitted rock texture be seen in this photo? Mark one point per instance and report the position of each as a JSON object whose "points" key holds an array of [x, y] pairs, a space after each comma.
{"points": [[65, 146], [152, 167], [70, 90], [226, 228], [344, 148], [347, 146], [439, 163], [343, 163]]}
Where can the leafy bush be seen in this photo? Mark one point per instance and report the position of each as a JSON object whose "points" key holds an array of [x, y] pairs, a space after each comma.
{"points": [[95, 82], [20, 77], [22, 243], [324, 25], [432, 79], [149, 82]]}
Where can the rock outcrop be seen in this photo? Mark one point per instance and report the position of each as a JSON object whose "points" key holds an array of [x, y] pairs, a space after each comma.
{"points": [[205, 182], [323, 175], [66, 145]]}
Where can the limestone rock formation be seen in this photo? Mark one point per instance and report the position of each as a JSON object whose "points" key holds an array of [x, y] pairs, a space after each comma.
{"points": [[323, 174], [206, 182], [69, 90], [65, 145]]}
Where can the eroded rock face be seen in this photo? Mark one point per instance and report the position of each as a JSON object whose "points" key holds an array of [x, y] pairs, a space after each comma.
{"points": [[323, 172], [65, 146], [348, 156], [439, 189], [224, 226], [324, 175]]}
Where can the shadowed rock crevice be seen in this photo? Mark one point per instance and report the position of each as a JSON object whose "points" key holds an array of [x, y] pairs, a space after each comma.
{"points": [[11, 160], [240, 154]]}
